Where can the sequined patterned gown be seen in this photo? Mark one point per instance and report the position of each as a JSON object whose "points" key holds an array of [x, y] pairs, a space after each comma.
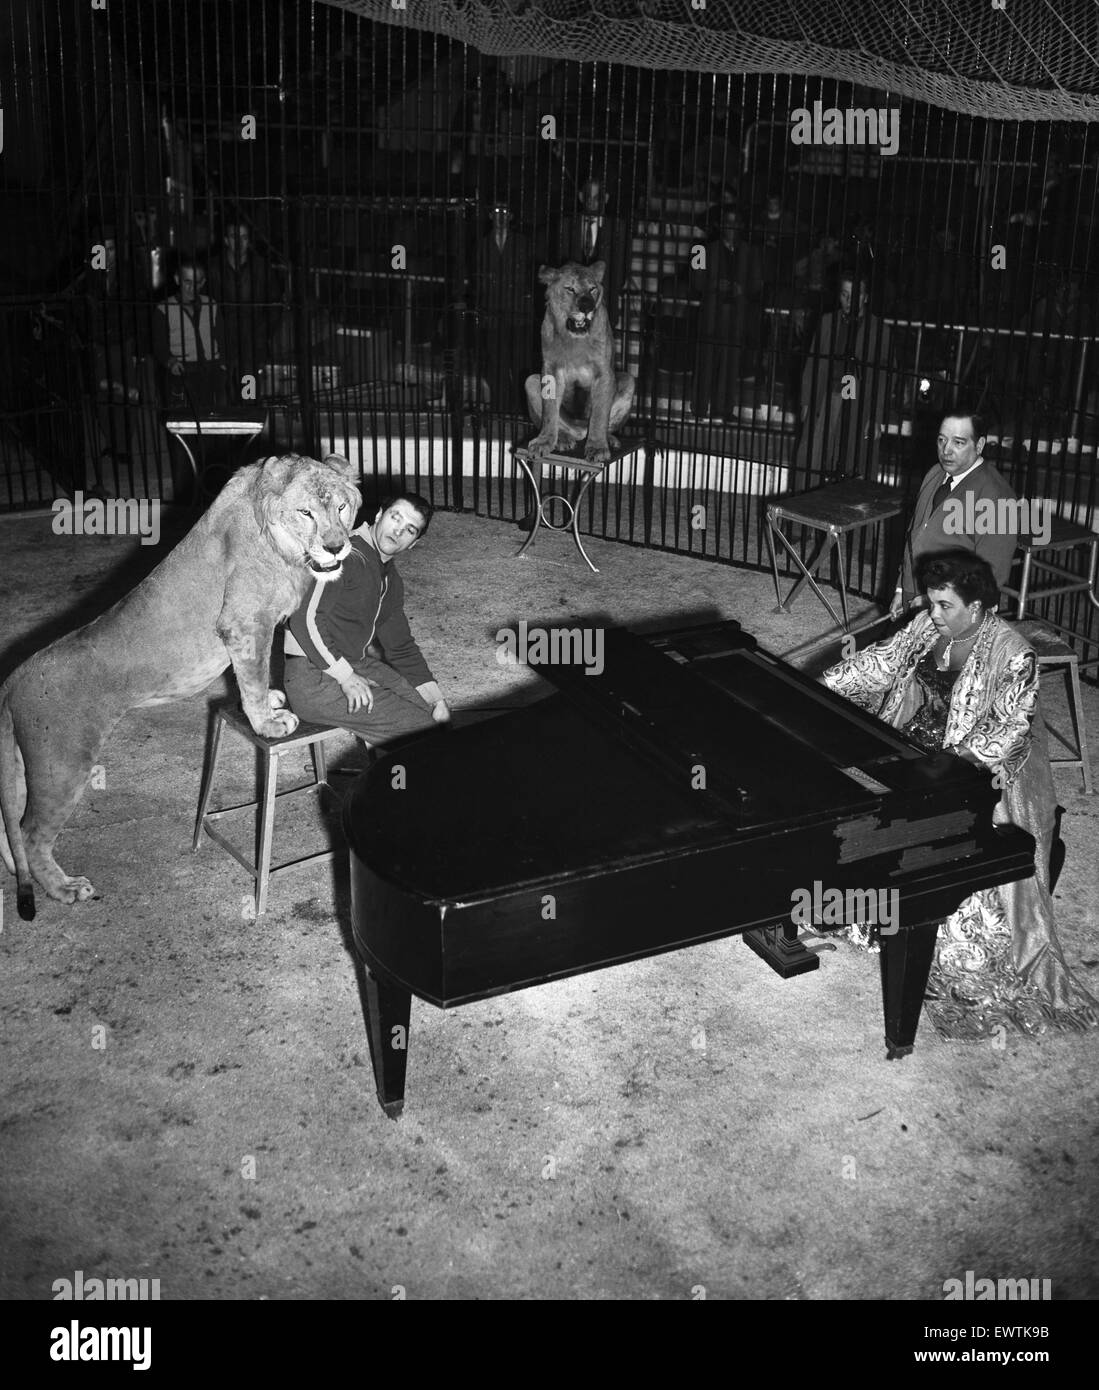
{"points": [[998, 964]]}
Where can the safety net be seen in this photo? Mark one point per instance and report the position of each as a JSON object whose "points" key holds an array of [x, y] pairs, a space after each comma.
{"points": [[1006, 59]]}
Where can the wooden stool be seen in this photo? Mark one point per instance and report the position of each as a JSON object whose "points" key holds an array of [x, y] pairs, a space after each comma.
{"points": [[311, 736], [1051, 651]]}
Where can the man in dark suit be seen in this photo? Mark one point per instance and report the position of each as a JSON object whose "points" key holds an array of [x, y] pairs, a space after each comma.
{"points": [[730, 284], [942, 510], [845, 386], [503, 291], [593, 234], [248, 292]]}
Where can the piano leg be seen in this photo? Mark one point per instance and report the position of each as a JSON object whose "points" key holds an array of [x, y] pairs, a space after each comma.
{"points": [[905, 965], [387, 1009]]}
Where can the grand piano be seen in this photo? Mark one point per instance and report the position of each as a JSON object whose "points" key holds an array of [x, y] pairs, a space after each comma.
{"points": [[684, 794]]}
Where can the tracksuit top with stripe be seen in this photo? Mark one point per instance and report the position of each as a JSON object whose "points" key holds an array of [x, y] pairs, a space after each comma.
{"points": [[340, 618]]}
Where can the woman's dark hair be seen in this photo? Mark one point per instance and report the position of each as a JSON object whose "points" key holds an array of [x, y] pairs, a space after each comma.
{"points": [[967, 574]]}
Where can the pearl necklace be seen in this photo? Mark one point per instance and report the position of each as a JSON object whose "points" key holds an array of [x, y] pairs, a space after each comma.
{"points": [[945, 663]]}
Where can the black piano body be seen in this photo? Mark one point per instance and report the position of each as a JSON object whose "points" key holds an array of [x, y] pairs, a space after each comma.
{"points": [[685, 793]]}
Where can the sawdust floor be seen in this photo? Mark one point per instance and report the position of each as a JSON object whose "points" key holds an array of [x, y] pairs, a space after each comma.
{"points": [[187, 1093]]}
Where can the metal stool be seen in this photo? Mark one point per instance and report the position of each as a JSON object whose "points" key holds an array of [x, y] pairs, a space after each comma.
{"points": [[244, 423], [1063, 536], [1051, 651], [311, 736], [569, 464]]}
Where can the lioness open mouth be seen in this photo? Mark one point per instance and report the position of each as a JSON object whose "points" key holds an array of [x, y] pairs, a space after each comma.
{"points": [[322, 568], [578, 324]]}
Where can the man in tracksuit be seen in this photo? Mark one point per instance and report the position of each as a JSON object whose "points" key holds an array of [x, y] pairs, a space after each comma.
{"points": [[351, 659]]}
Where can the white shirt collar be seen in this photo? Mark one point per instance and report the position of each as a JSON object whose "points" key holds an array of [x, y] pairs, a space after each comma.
{"points": [[957, 478]]}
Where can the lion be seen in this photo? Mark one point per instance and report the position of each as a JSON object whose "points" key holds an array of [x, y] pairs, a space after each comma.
{"points": [[587, 398], [213, 602]]}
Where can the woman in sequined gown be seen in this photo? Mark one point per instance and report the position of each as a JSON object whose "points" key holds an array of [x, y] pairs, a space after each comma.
{"points": [[959, 678]]}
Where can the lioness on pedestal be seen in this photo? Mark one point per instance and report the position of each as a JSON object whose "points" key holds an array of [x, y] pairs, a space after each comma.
{"points": [[579, 394], [214, 601]]}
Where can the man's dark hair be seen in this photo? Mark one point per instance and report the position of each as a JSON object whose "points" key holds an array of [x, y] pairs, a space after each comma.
{"points": [[421, 504], [962, 412], [187, 260], [965, 572]]}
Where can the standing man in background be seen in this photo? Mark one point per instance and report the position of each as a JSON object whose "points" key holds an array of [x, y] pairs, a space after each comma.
{"points": [[503, 289], [593, 234], [249, 295], [961, 472], [845, 386], [730, 285]]}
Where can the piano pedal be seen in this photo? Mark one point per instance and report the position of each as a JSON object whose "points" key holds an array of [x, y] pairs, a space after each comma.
{"points": [[822, 942], [781, 948]]}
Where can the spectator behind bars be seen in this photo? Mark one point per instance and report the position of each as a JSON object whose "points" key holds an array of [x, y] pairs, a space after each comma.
{"points": [[845, 386], [187, 344], [503, 290], [777, 234], [593, 234], [248, 293], [115, 332], [1052, 351], [814, 280], [187, 340], [730, 284]]}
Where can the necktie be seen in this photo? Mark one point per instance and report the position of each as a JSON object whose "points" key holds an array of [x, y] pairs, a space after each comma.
{"points": [[942, 492]]}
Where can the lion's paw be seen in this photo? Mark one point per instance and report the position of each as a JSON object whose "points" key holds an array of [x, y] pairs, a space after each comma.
{"points": [[597, 453], [281, 724], [73, 890], [276, 699], [541, 444]]}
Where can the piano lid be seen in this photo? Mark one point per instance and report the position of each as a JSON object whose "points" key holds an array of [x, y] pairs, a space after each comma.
{"points": [[606, 775], [760, 741]]}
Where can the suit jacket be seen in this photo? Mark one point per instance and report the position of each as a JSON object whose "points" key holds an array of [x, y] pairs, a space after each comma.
{"points": [[612, 246], [841, 347], [724, 269], [928, 528], [504, 280]]}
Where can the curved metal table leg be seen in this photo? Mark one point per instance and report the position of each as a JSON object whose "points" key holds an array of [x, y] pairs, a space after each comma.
{"points": [[588, 479], [538, 520], [181, 439]]}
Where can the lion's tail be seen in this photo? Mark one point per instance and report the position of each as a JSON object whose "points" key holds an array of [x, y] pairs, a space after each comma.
{"points": [[11, 835]]}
